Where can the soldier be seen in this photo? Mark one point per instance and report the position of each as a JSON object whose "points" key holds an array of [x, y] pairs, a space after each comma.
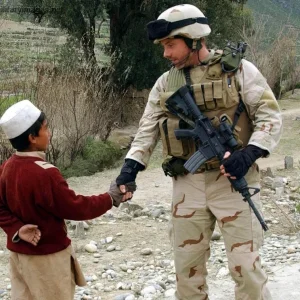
{"points": [[202, 199]]}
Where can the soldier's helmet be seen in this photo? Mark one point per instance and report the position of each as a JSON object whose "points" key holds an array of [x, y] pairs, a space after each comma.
{"points": [[183, 20]]}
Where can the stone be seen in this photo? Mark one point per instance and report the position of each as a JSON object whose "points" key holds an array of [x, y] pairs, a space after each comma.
{"points": [[109, 239], [288, 162], [269, 172], [148, 290], [279, 191], [110, 248], [79, 230], [169, 292], [146, 251], [215, 236], [223, 272], [91, 248]]}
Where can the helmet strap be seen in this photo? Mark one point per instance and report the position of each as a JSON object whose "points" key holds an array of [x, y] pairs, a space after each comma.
{"points": [[192, 44], [197, 45]]}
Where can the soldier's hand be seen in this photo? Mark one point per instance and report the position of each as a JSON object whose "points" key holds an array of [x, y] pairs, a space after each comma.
{"points": [[30, 234], [129, 171], [237, 164]]}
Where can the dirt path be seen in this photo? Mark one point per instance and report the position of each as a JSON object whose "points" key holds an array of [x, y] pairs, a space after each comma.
{"points": [[284, 285], [154, 189]]}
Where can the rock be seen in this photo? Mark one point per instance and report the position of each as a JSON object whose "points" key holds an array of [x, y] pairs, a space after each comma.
{"points": [[169, 293], [222, 272], [91, 248], [148, 290], [269, 172], [291, 249], [109, 239], [288, 162], [268, 182], [85, 225], [279, 182], [279, 192], [122, 297], [79, 230], [157, 212], [146, 251], [215, 236], [110, 248]]}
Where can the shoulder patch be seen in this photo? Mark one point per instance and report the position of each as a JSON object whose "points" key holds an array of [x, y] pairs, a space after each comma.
{"points": [[44, 164]]}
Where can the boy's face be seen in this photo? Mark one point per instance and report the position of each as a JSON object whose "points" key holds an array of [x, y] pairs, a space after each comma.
{"points": [[41, 142]]}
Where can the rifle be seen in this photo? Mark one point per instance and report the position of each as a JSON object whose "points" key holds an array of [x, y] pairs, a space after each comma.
{"points": [[211, 142]]}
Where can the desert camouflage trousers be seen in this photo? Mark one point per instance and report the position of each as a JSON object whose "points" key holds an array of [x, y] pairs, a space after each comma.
{"points": [[199, 201]]}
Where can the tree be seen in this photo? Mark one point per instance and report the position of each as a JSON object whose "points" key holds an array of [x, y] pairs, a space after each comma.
{"points": [[136, 60], [77, 17]]}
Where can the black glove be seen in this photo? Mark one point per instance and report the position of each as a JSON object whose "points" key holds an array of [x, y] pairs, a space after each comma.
{"points": [[129, 171], [115, 193], [239, 162]]}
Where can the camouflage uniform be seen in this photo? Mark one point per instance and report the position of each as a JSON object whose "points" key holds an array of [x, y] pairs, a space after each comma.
{"points": [[201, 199]]}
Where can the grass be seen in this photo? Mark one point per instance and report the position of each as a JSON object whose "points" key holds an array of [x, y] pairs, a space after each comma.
{"points": [[7, 101], [95, 157], [276, 14], [22, 50]]}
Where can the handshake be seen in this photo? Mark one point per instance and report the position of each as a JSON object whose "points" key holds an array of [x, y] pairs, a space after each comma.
{"points": [[121, 193], [123, 188]]}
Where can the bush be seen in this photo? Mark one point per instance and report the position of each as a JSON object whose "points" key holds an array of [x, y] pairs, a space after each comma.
{"points": [[95, 157], [8, 101]]}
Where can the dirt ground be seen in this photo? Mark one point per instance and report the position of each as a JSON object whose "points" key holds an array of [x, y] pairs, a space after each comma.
{"points": [[155, 189]]}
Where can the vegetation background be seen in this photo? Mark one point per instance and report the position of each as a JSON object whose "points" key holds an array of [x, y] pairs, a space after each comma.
{"points": [[89, 65]]}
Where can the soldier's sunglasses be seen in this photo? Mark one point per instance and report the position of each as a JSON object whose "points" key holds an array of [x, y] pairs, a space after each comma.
{"points": [[160, 28]]}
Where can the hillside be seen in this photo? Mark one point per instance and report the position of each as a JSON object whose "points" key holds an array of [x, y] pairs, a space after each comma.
{"points": [[278, 12]]}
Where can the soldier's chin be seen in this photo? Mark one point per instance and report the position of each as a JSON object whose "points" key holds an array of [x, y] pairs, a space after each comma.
{"points": [[180, 65], [183, 63]]}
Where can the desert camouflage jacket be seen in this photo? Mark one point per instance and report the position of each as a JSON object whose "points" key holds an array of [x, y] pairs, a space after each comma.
{"points": [[260, 102]]}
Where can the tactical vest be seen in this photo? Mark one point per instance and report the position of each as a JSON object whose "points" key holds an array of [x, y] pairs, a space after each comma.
{"points": [[215, 93]]}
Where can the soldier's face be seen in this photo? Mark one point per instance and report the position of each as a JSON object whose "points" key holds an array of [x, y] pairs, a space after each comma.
{"points": [[176, 51]]}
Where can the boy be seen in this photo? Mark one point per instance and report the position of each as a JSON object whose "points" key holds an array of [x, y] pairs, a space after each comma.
{"points": [[43, 265]]}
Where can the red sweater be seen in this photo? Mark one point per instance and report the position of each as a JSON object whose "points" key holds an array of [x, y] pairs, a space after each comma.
{"points": [[33, 191]]}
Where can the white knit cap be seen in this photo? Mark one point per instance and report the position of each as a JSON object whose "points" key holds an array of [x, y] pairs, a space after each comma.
{"points": [[18, 118]]}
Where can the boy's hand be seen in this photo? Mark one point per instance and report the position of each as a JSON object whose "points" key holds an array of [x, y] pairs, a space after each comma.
{"points": [[122, 193], [30, 234]]}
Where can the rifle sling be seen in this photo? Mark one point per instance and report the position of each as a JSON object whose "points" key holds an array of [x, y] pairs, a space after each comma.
{"points": [[240, 108], [188, 80]]}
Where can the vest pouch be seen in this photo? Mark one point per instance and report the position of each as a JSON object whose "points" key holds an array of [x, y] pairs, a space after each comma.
{"points": [[171, 145], [209, 95], [230, 92]]}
